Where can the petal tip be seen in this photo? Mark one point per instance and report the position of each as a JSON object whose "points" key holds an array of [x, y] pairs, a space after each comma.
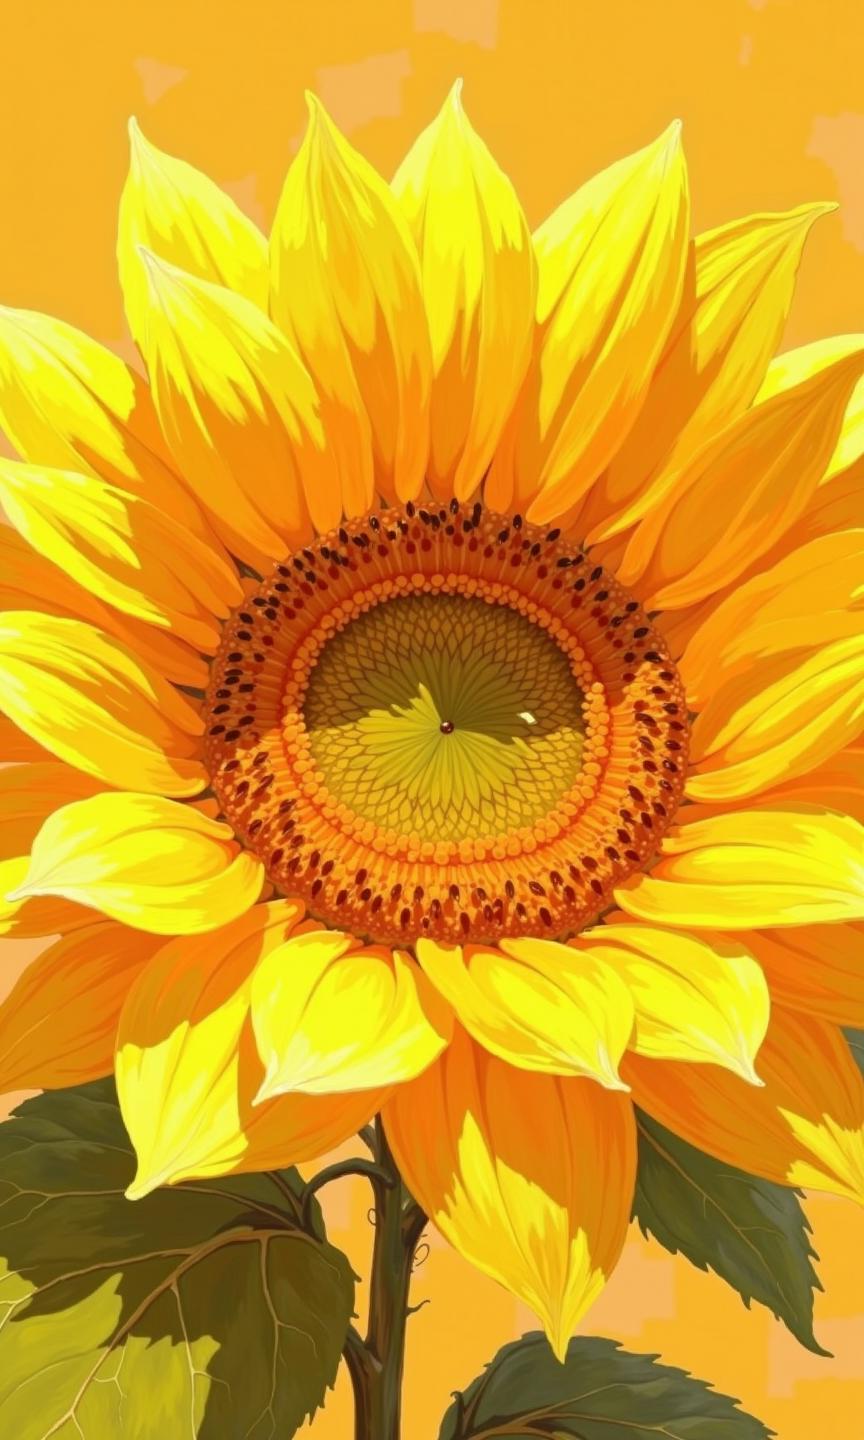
{"points": [[142, 1186]]}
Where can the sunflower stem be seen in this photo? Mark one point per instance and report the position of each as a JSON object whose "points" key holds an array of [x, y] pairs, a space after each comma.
{"points": [[376, 1362]]}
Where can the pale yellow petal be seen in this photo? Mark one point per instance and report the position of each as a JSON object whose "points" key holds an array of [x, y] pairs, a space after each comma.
{"points": [[611, 264], [88, 700], [697, 997], [329, 1016], [58, 1024], [529, 1176], [345, 288], [804, 1126], [536, 1004], [740, 493], [30, 582], [181, 215], [122, 549], [151, 863], [737, 295], [790, 864], [241, 415], [478, 277]]}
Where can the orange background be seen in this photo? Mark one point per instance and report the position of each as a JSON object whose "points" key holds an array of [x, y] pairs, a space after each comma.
{"points": [[772, 100]]}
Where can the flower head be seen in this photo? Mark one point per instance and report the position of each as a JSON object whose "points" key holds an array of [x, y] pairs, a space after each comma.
{"points": [[438, 689]]}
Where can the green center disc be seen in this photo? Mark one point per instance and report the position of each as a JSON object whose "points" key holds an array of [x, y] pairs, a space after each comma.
{"points": [[445, 717]]}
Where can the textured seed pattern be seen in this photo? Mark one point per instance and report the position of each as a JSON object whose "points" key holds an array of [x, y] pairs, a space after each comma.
{"points": [[332, 762], [383, 687]]}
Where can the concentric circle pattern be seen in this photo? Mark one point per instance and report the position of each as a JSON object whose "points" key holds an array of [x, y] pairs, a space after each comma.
{"points": [[448, 723]]}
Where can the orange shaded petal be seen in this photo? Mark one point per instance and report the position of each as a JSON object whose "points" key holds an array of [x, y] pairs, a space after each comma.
{"points": [[805, 1126], [529, 1176]]}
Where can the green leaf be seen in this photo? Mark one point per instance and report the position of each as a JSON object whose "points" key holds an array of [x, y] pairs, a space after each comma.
{"points": [[752, 1233], [856, 1045], [202, 1311], [600, 1393]]}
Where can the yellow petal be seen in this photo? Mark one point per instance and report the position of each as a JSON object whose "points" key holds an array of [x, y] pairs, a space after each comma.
{"points": [[697, 997], [187, 1068], [327, 1020], [58, 1024], [29, 793], [67, 401], [241, 416], [182, 216], [795, 365], [33, 919], [346, 289], [816, 969], [736, 298], [478, 277], [702, 536], [16, 747], [805, 1126], [30, 582], [529, 1176], [791, 864], [807, 599], [536, 1004], [611, 270], [151, 863], [122, 549], [76, 690], [777, 719], [836, 784]]}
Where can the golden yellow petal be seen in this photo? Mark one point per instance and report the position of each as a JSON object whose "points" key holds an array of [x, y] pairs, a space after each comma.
{"points": [[148, 862], [478, 278], [777, 719], [529, 1176], [536, 1004], [611, 264], [241, 415], [181, 215], [30, 582], [696, 997], [67, 401], [88, 700], [795, 365], [121, 548], [702, 537], [345, 288], [737, 294], [58, 1024], [330, 1016], [812, 596], [790, 864]]}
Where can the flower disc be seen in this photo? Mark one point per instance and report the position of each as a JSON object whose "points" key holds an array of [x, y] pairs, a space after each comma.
{"points": [[446, 723]]}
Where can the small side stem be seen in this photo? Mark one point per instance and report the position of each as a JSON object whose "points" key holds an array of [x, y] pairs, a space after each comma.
{"points": [[376, 1363]]}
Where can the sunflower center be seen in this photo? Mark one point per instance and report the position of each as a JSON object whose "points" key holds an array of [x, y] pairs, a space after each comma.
{"points": [[446, 716], [448, 723]]}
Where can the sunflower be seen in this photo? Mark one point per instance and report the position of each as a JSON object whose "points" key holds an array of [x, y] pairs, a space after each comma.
{"points": [[437, 691]]}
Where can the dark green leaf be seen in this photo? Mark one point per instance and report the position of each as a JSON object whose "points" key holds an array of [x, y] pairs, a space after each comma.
{"points": [[202, 1311], [600, 1393], [856, 1045], [752, 1233]]}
